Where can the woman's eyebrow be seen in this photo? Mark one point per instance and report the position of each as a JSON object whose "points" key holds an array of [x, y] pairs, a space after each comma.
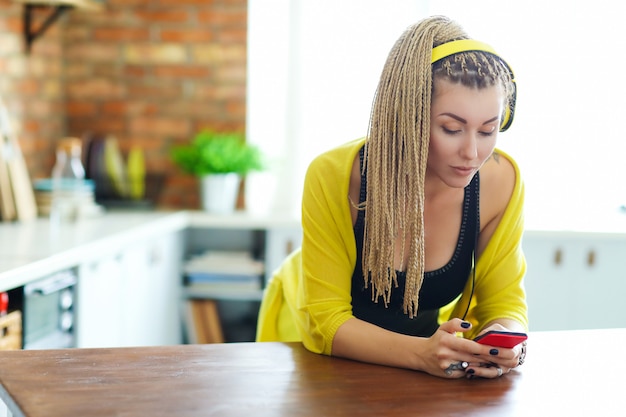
{"points": [[455, 117], [462, 120], [493, 119]]}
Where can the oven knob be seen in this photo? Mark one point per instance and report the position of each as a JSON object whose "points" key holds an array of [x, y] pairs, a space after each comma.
{"points": [[66, 299], [66, 321]]}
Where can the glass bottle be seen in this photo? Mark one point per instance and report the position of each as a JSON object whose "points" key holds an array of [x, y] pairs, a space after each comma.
{"points": [[68, 160], [68, 175]]}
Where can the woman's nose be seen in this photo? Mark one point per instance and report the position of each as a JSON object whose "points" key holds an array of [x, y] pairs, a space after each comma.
{"points": [[469, 147]]}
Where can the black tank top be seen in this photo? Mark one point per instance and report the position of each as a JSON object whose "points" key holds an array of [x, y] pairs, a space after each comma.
{"points": [[439, 287]]}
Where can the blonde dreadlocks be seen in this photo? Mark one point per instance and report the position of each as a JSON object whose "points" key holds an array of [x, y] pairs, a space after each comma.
{"points": [[396, 150]]}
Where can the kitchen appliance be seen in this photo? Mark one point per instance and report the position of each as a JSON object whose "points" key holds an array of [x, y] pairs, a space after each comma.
{"points": [[48, 321]]}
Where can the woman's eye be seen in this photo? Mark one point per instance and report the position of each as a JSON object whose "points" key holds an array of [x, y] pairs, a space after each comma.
{"points": [[490, 132], [453, 131], [450, 131]]}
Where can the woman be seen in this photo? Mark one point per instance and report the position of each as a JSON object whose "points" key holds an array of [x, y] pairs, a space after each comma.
{"points": [[415, 204]]}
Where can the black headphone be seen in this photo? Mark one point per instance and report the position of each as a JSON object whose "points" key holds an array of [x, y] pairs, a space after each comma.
{"points": [[463, 45]]}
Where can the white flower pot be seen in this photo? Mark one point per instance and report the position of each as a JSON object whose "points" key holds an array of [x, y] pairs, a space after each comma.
{"points": [[219, 192], [260, 193]]}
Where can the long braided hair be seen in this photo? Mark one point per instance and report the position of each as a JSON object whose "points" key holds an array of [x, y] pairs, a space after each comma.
{"points": [[396, 150]]}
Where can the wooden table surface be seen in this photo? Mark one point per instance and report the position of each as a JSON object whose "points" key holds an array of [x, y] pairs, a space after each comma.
{"points": [[570, 373]]}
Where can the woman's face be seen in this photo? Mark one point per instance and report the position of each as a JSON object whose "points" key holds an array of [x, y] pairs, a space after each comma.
{"points": [[464, 125]]}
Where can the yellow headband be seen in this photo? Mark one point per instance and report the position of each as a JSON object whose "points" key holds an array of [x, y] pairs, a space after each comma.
{"points": [[463, 45]]}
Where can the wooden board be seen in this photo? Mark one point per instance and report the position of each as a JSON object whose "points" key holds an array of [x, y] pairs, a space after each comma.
{"points": [[92, 5], [205, 326], [11, 331], [21, 186], [7, 204]]}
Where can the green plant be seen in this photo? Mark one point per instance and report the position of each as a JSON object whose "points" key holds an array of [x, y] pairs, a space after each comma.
{"points": [[213, 152]]}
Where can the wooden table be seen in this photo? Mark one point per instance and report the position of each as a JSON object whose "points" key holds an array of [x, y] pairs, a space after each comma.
{"points": [[573, 373]]}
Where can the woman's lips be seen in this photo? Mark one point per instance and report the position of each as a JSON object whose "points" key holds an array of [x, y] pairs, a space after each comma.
{"points": [[464, 170]]}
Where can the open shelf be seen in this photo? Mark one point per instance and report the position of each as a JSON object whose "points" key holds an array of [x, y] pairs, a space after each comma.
{"points": [[94, 5], [58, 7]]}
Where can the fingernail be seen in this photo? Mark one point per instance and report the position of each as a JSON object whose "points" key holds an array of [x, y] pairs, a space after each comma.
{"points": [[494, 352], [470, 371], [466, 324]]}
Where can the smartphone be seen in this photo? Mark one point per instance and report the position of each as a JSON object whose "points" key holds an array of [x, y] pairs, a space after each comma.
{"points": [[501, 339]]}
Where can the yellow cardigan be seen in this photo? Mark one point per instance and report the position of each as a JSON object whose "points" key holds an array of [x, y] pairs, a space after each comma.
{"points": [[308, 297]]}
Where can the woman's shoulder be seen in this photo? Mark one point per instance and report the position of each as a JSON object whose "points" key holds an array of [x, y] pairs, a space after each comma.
{"points": [[499, 170], [499, 178], [338, 159]]}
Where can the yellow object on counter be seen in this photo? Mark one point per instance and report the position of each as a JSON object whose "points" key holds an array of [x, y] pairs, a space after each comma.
{"points": [[114, 166], [136, 173]]}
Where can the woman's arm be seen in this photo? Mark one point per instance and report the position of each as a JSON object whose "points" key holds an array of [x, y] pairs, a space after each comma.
{"points": [[328, 248], [363, 341]]}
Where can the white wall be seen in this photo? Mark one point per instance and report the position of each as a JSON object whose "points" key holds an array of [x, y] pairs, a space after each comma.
{"points": [[314, 66], [567, 135]]}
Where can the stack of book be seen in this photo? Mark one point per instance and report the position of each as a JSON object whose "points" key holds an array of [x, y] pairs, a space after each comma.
{"points": [[224, 273]]}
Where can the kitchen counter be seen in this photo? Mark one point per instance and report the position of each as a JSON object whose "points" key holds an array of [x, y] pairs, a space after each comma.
{"points": [[284, 379], [31, 250], [34, 249]]}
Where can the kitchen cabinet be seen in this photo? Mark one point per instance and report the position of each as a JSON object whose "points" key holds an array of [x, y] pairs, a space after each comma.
{"points": [[131, 297], [129, 267], [99, 303], [151, 296], [575, 280]]}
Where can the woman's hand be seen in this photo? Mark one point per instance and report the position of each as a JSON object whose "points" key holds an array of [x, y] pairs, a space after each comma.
{"points": [[493, 361], [448, 355]]}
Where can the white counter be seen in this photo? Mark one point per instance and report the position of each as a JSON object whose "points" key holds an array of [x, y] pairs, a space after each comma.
{"points": [[34, 249]]}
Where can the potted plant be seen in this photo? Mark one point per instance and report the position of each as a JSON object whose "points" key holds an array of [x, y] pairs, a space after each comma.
{"points": [[219, 160]]}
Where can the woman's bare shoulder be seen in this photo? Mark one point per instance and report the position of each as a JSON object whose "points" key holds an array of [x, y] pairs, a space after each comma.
{"points": [[497, 182]]}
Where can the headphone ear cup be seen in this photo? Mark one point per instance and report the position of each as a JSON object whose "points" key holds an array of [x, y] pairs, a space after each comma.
{"points": [[507, 119], [509, 112]]}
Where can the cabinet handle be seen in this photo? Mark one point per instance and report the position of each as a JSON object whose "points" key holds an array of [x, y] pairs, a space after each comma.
{"points": [[591, 258], [558, 256], [288, 247]]}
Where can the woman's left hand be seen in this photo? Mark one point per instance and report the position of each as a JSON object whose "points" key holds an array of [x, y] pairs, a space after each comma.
{"points": [[493, 361]]}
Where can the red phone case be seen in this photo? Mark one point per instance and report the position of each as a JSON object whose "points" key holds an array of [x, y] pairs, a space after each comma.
{"points": [[501, 339]]}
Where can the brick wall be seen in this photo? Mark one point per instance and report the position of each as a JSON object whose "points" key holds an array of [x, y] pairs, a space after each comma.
{"points": [[149, 72], [31, 86]]}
